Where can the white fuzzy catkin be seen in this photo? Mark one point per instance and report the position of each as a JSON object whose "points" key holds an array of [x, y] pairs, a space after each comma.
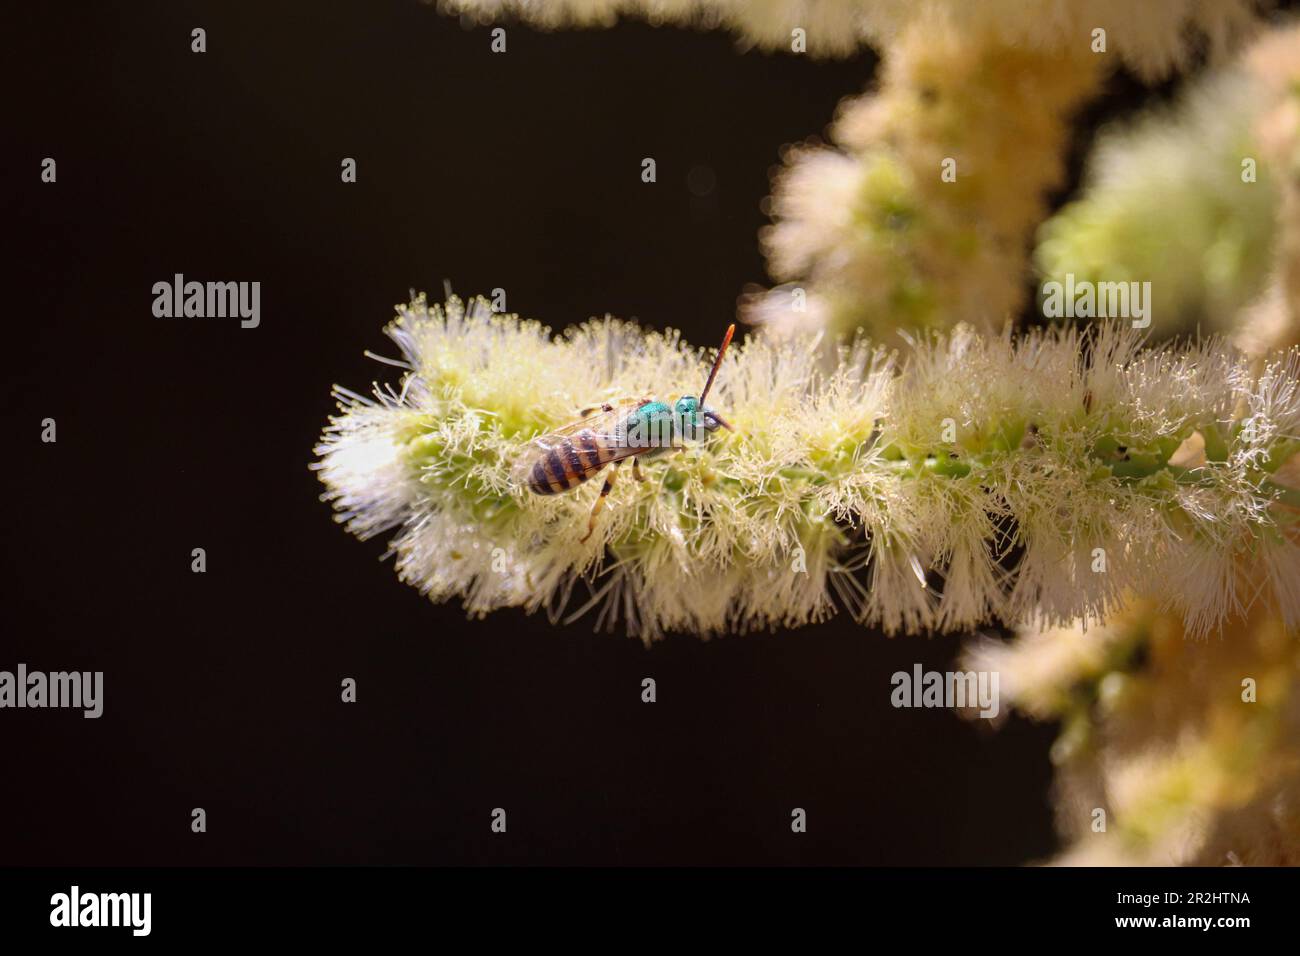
{"points": [[919, 217], [994, 467], [1164, 202], [1152, 37], [1154, 728]]}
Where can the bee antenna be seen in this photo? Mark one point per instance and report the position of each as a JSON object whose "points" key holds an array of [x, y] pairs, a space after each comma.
{"points": [[717, 362]]}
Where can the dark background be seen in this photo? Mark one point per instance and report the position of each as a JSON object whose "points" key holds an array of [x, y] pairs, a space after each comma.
{"points": [[222, 689]]}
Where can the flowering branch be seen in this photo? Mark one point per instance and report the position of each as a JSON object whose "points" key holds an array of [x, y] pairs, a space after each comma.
{"points": [[921, 217], [1181, 199], [1189, 748], [1152, 39], [973, 480], [1175, 751]]}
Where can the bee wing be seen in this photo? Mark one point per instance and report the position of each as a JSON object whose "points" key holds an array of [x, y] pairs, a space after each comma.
{"points": [[608, 425], [601, 423]]}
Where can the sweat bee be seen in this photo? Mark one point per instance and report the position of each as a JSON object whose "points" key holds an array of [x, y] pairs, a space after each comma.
{"points": [[561, 460]]}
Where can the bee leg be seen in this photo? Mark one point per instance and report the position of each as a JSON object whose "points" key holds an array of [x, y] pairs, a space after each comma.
{"points": [[600, 502], [636, 468]]}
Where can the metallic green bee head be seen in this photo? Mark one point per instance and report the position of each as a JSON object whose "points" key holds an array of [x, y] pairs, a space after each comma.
{"points": [[691, 412], [692, 415], [687, 410]]}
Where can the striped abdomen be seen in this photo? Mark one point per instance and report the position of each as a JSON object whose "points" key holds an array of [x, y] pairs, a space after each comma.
{"points": [[571, 462]]}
